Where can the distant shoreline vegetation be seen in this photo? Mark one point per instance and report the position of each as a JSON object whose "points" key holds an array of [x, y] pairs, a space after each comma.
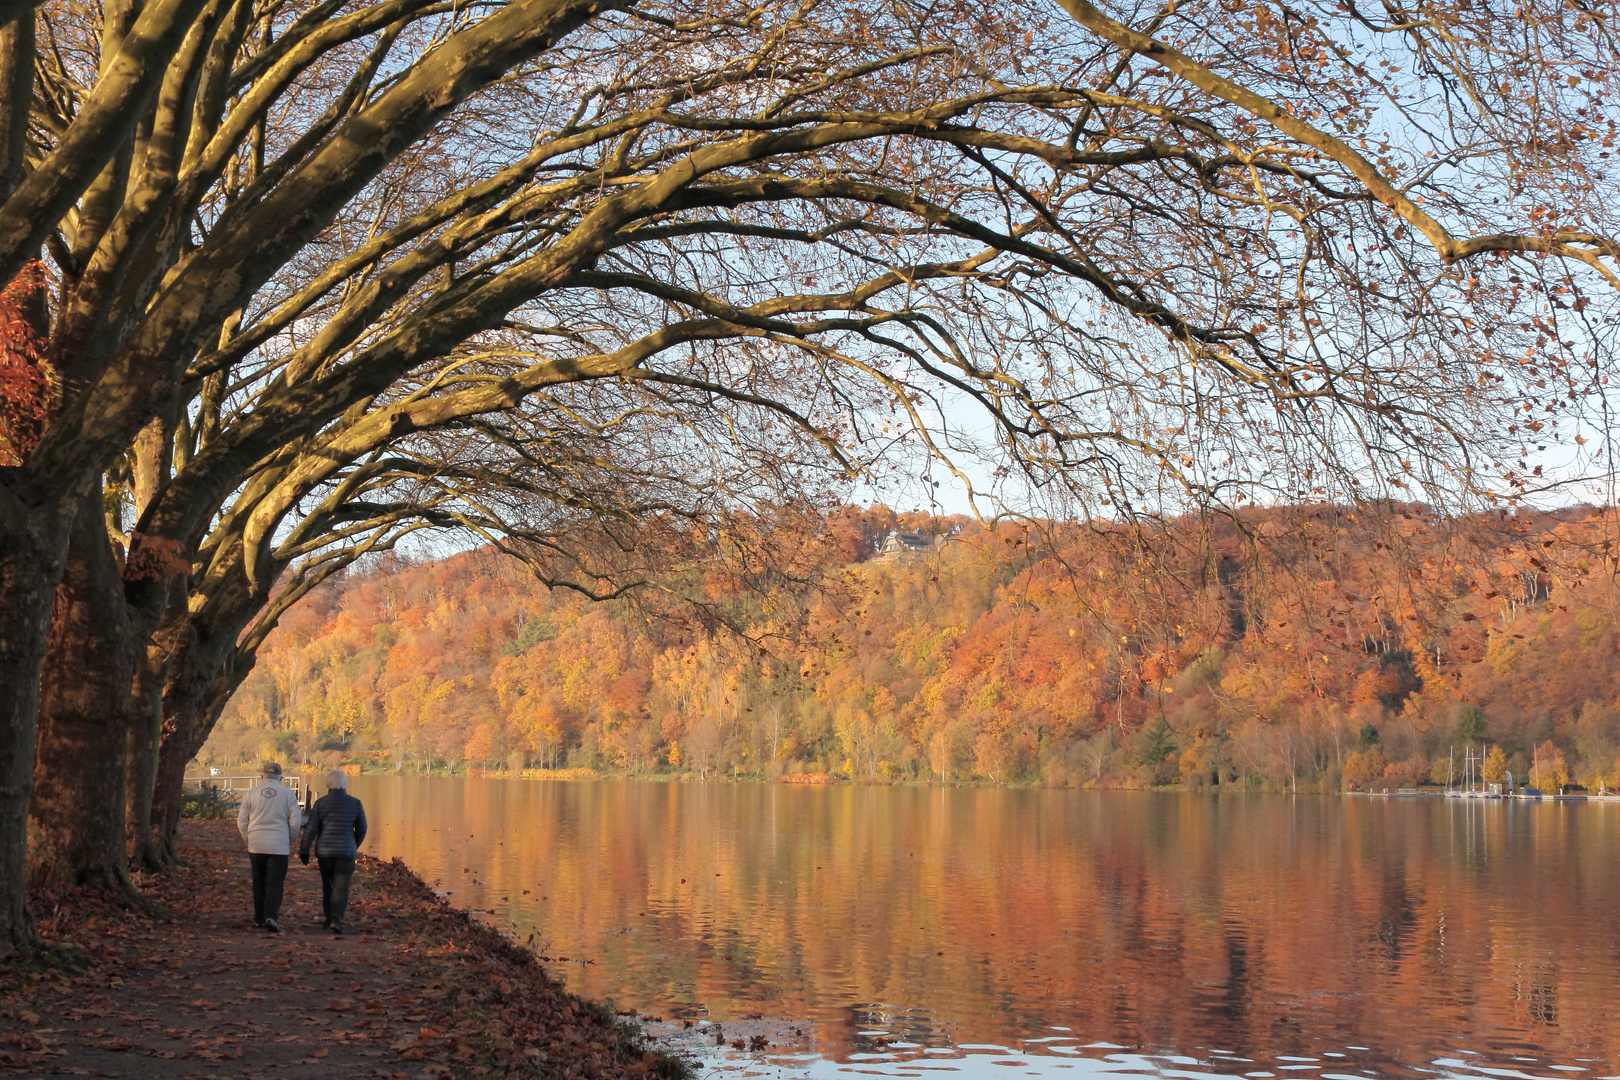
{"points": [[1303, 648]]}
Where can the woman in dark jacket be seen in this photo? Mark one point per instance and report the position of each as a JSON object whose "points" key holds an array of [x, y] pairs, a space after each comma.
{"points": [[337, 828]]}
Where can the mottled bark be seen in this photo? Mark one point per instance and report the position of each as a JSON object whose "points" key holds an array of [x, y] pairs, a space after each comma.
{"points": [[33, 547], [84, 716], [151, 465], [253, 239], [146, 732], [33, 544], [16, 94], [202, 676], [99, 132], [15, 9], [100, 632]]}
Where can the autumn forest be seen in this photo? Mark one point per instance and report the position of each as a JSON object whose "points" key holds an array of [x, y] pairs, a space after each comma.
{"points": [[1313, 648]]}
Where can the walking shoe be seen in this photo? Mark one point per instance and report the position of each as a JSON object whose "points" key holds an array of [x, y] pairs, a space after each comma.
{"points": [[272, 926], [337, 931]]}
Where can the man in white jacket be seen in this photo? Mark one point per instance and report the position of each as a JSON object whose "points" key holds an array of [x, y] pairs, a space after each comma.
{"points": [[268, 821]]}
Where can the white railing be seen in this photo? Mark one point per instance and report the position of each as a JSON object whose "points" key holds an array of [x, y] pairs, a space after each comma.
{"points": [[239, 783]]}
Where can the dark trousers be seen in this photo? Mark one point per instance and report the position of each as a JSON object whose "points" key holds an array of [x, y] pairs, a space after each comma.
{"points": [[336, 873], [269, 876]]}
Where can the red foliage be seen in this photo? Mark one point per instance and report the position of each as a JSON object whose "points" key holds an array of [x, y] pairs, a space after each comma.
{"points": [[26, 392], [152, 558]]}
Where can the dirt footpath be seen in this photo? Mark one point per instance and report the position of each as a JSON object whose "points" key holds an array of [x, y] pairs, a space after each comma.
{"points": [[415, 989]]}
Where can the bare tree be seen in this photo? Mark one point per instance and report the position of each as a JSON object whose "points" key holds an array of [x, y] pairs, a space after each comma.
{"points": [[644, 498], [1152, 248]]}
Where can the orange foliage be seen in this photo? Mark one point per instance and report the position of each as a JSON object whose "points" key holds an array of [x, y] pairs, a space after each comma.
{"points": [[1008, 655]]}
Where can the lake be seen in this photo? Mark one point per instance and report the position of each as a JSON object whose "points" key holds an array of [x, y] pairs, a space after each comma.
{"points": [[896, 931]]}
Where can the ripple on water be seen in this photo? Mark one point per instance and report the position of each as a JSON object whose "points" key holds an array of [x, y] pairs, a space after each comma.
{"points": [[1042, 1056], [973, 924]]}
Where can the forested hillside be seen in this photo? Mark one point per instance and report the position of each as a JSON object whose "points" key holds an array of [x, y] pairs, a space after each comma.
{"points": [[1310, 647]]}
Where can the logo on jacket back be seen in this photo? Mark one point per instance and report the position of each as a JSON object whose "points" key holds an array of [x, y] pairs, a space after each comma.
{"points": [[268, 792]]}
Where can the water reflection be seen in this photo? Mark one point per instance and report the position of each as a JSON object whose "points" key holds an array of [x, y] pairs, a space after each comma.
{"points": [[895, 929]]}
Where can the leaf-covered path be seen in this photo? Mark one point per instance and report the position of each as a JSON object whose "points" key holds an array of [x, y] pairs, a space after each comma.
{"points": [[416, 988]]}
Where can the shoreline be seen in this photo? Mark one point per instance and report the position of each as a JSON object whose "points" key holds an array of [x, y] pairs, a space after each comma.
{"points": [[416, 989], [795, 780], [823, 780], [820, 780]]}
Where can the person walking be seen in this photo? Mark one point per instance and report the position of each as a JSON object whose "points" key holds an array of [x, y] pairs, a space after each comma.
{"points": [[337, 828], [268, 821]]}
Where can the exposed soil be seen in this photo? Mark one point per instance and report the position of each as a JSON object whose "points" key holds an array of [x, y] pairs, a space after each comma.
{"points": [[414, 989]]}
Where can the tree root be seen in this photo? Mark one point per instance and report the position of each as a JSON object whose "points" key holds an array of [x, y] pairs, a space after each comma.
{"points": [[42, 955], [147, 858], [168, 855], [124, 889], [116, 882]]}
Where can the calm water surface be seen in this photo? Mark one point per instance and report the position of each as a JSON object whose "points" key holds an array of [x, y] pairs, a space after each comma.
{"points": [[901, 931]]}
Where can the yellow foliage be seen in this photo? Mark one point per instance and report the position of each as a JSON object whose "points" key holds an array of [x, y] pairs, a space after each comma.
{"points": [[1593, 625], [1363, 767], [1198, 759], [1502, 655], [1549, 771]]}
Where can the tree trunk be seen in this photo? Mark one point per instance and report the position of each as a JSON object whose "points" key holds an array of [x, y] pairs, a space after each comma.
{"points": [[145, 740], [145, 838], [84, 716], [183, 737], [33, 547], [151, 465], [166, 790], [202, 676], [172, 771]]}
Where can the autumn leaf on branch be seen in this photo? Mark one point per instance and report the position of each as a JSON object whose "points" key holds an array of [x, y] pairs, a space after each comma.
{"points": [[153, 558], [26, 392]]}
